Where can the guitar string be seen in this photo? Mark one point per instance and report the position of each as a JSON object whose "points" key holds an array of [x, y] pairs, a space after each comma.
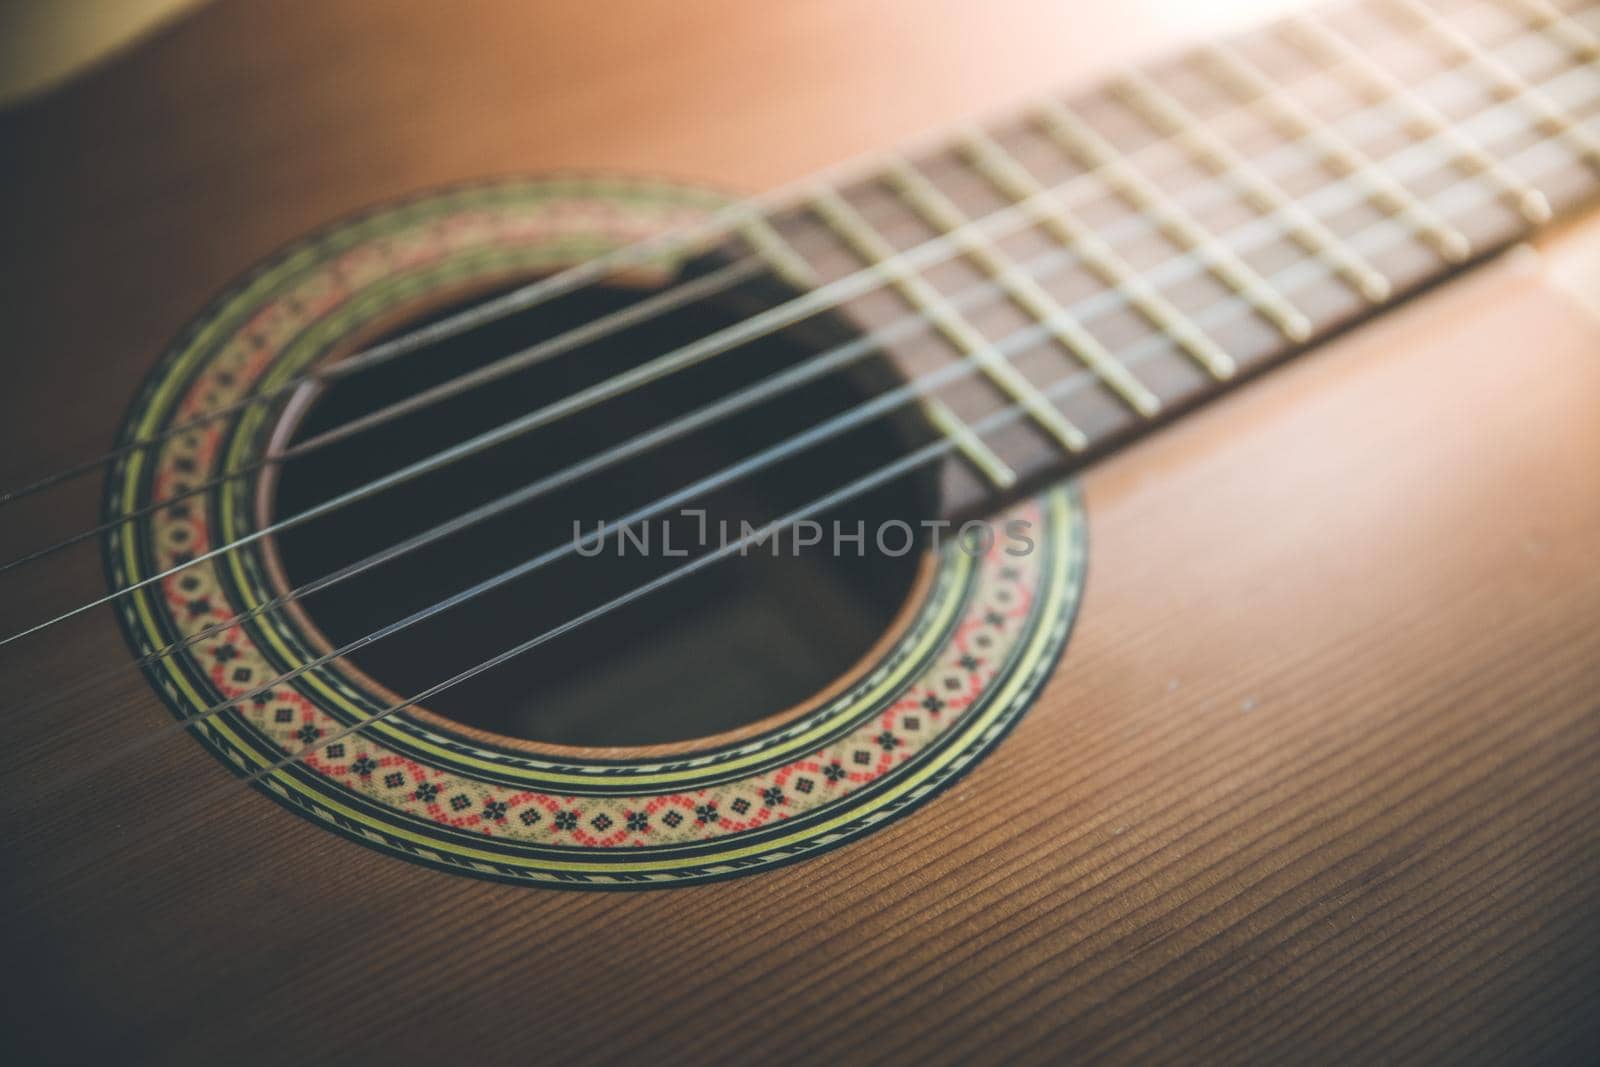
{"points": [[689, 290], [673, 243], [1085, 184], [1134, 358], [594, 330], [477, 444], [644, 374], [719, 226], [899, 468], [836, 359], [455, 325], [1382, 234], [1331, 197]]}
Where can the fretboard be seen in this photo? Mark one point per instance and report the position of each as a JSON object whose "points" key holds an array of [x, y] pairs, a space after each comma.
{"points": [[1100, 263]]}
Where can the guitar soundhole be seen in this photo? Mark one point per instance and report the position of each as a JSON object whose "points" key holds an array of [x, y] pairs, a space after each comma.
{"points": [[738, 642]]}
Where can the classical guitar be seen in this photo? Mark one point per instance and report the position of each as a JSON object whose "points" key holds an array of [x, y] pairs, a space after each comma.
{"points": [[515, 549]]}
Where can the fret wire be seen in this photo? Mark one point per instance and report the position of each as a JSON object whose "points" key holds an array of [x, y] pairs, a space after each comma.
{"points": [[1017, 182], [1546, 17], [37, 627], [1245, 80], [972, 447], [940, 211], [771, 246], [662, 250], [1322, 42], [1172, 119], [1507, 83], [922, 295], [1093, 151]]}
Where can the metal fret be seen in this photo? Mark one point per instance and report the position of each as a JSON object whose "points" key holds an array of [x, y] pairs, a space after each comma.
{"points": [[922, 295], [969, 444], [1507, 83], [1083, 141], [1389, 195], [1576, 38], [942, 213], [1209, 149], [1324, 43], [770, 245], [1015, 181]]}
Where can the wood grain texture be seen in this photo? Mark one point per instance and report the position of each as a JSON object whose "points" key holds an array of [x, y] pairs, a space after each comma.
{"points": [[1315, 781]]}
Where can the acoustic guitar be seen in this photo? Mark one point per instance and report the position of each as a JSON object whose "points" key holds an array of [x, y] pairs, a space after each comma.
{"points": [[516, 549]]}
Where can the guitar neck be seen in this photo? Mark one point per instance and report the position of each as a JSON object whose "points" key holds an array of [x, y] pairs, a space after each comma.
{"points": [[1099, 264]]}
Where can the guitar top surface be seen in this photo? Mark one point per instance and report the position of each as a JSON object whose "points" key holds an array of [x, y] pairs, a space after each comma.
{"points": [[1312, 780]]}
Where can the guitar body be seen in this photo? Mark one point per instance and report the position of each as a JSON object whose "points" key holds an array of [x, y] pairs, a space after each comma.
{"points": [[1313, 778]]}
